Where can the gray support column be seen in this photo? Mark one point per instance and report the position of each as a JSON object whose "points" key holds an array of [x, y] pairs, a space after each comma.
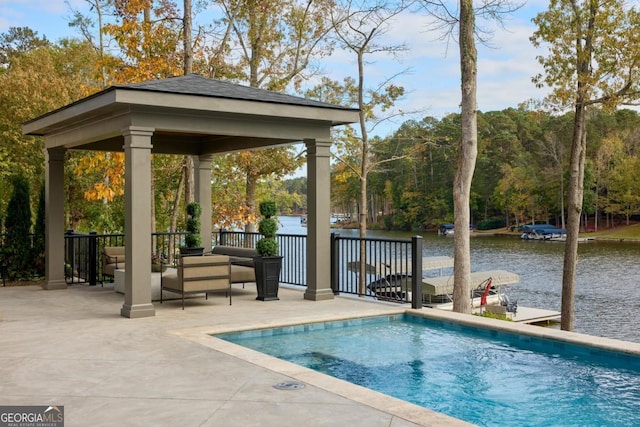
{"points": [[137, 223], [54, 219], [318, 218], [203, 193]]}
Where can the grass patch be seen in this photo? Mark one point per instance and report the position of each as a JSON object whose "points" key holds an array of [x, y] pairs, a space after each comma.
{"points": [[492, 315], [627, 232]]}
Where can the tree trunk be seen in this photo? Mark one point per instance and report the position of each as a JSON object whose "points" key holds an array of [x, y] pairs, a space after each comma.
{"points": [[188, 42], [562, 213], [189, 176], [153, 205], [466, 161], [250, 201], [574, 210], [174, 216], [364, 169]]}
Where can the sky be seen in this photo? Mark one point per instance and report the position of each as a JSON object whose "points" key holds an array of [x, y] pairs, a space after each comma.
{"points": [[429, 70]]}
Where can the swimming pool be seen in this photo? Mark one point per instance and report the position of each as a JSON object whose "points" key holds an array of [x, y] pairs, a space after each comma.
{"points": [[483, 376]]}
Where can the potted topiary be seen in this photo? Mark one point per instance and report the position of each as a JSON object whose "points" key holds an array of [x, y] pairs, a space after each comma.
{"points": [[192, 240], [267, 263]]}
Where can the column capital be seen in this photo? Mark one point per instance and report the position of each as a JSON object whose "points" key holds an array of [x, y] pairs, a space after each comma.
{"points": [[206, 157], [317, 143], [55, 154], [137, 137], [138, 131], [204, 161]]}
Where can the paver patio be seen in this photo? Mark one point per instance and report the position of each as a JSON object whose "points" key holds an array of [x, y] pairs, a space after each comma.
{"points": [[72, 348]]}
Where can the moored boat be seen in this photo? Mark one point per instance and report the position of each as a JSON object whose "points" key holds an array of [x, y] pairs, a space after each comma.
{"points": [[543, 232]]}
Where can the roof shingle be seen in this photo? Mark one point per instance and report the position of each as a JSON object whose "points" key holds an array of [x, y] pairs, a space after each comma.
{"points": [[194, 84]]}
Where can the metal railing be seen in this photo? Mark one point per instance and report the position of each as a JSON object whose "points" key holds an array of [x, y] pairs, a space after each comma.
{"points": [[83, 255], [380, 268], [292, 247], [382, 271]]}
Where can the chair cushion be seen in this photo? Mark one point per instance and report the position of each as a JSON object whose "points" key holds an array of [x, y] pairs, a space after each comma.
{"points": [[242, 274], [239, 256], [113, 254]]}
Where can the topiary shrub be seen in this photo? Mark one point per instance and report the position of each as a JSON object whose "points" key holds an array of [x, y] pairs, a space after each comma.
{"points": [[267, 245], [193, 238]]}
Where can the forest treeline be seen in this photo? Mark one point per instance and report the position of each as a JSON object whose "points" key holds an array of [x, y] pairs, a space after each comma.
{"points": [[521, 173]]}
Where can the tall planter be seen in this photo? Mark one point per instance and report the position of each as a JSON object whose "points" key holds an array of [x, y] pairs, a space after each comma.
{"points": [[184, 251], [267, 276], [268, 263]]}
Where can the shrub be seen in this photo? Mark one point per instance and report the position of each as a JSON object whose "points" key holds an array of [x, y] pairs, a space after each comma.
{"points": [[193, 238], [267, 245], [491, 223], [38, 229], [18, 228]]}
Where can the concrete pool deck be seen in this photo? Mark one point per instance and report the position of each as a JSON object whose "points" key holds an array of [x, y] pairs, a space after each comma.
{"points": [[71, 347]]}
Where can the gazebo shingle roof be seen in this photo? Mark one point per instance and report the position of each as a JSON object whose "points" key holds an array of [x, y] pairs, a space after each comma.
{"points": [[194, 84]]}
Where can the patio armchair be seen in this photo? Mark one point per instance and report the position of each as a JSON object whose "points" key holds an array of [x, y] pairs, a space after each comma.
{"points": [[198, 274], [112, 260]]}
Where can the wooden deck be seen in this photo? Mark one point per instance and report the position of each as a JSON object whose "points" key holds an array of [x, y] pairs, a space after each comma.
{"points": [[536, 316], [529, 315]]}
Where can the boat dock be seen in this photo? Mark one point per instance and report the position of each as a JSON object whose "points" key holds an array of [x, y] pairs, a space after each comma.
{"points": [[528, 315], [536, 316]]}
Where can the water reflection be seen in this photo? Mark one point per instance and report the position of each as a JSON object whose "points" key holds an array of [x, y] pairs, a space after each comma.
{"points": [[607, 280]]}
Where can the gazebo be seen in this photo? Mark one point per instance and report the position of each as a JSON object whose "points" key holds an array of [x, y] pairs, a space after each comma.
{"points": [[187, 115]]}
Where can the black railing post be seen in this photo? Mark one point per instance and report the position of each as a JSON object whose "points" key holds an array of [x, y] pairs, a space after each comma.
{"points": [[223, 237], [93, 258], [70, 256], [416, 268], [335, 270]]}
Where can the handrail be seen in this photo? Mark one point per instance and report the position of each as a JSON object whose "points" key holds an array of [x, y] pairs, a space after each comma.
{"points": [[382, 272]]}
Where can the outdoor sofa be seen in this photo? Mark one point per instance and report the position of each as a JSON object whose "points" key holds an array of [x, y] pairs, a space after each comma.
{"points": [[242, 270]]}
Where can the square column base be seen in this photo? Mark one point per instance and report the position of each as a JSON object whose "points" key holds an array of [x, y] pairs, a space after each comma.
{"points": [[318, 295], [137, 310], [54, 284]]}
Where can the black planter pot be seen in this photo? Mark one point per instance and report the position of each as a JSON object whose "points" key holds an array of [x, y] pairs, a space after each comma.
{"points": [[267, 277], [191, 251]]}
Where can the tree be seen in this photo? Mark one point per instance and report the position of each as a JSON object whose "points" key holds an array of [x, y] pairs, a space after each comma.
{"points": [[18, 254], [623, 187], [35, 82], [154, 42], [39, 234], [358, 29], [277, 42], [594, 59], [466, 160], [85, 25], [148, 34], [17, 41], [467, 154]]}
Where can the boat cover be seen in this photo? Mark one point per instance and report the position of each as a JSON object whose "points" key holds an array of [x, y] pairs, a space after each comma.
{"points": [[443, 285], [396, 266]]}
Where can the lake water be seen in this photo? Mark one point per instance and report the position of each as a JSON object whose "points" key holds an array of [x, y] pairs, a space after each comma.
{"points": [[607, 280]]}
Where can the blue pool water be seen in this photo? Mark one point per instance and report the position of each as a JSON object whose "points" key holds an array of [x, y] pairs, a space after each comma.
{"points": [[487, 377]]}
